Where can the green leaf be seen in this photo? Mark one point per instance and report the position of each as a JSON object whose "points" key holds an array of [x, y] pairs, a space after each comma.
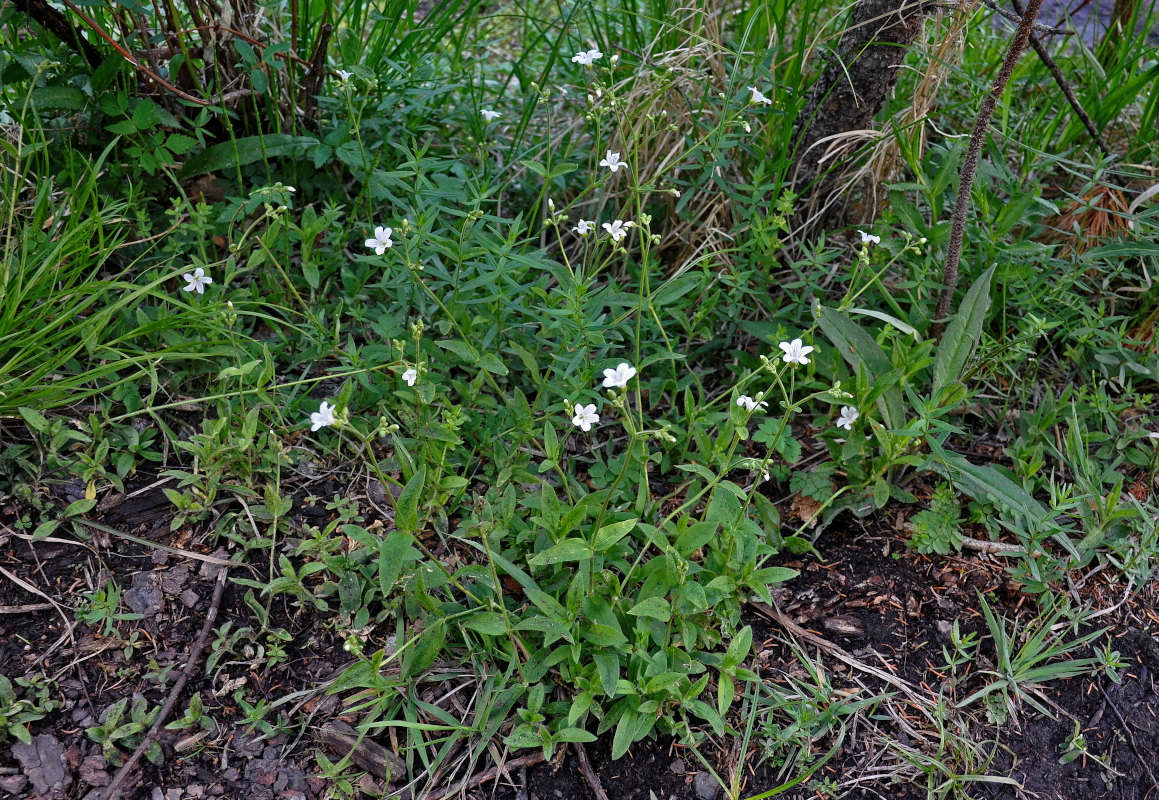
{"points": [[78, 507], [726, 691], [653, 608], [425, 650], [987, 483], [488, 622], [393, 554], [858, 347], [567, 550], [491, 363], [459, 348], [610, 534], [34, 419], [738, 648], [604, 635], [695, 537], [68, 97], [962, 334], [608, 667], [904, 327], [247, 150], [880, 492], [770, 575], [574, 735], [625, 734], [310, 273], [407, 506]]}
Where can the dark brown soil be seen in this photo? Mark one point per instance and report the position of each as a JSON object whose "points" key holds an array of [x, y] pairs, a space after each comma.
{"points": [[885, 607]]}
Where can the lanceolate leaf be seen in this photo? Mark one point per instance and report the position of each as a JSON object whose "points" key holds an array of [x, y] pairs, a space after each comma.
{"points": [[963, 333], [858, 347]]}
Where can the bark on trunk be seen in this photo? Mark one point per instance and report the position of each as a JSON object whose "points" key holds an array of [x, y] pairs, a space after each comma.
{"points": [[854, 85]]}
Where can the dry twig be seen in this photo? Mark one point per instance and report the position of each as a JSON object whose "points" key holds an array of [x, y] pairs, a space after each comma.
{"points": [[589, 774], [118, 783], [494, 772]]}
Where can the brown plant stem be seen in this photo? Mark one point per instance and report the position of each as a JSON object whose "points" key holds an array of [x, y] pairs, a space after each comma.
{"points": [[589, 774], [1060, 79], [970, 165], [118, 783]]}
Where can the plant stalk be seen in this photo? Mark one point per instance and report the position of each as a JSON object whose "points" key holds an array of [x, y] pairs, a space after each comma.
{"points": [[970, 165]]}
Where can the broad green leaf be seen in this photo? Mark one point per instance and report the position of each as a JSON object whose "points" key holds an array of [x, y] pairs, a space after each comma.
{"points": [[567, 550], [407, 506], [608, 667], [491, 363], [34, 419], [574, 735], [653, 608], [604, 635], [725, 692], [58, 97], [625, 734], [425, 650], [962, 334], [247, 150], [695, 537], [459, 348], [610, 534], [987, 483], [738, 648], [488, 622], [393, 554]]}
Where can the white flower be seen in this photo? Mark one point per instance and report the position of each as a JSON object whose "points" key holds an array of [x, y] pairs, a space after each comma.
{"points": [[323, 417], [490, 115], [585, 417], [612, 161], [796, 352], [1153, 434], [749, 404], [410, 376], [866, 238], [758, 97], [619, 377], [197, 281], [584, 226], [380, 241], [617, 230], [849, 415], [344, 75], [586, 58]]}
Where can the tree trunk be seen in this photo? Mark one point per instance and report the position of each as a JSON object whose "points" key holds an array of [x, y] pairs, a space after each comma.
{"points": [[853, 86]]}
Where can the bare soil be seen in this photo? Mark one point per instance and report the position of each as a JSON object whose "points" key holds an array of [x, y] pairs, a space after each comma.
{"points": [[882, 606]]}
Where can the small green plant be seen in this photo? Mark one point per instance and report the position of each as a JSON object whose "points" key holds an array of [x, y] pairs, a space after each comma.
{"points": [[101, 608], [194, 717], [1020, 670], [1074, 746], [938, 529], [28, 701], [119, 731]]}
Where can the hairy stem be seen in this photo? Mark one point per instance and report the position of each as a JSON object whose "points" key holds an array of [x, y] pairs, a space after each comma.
{"points": [[970, 165]]}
